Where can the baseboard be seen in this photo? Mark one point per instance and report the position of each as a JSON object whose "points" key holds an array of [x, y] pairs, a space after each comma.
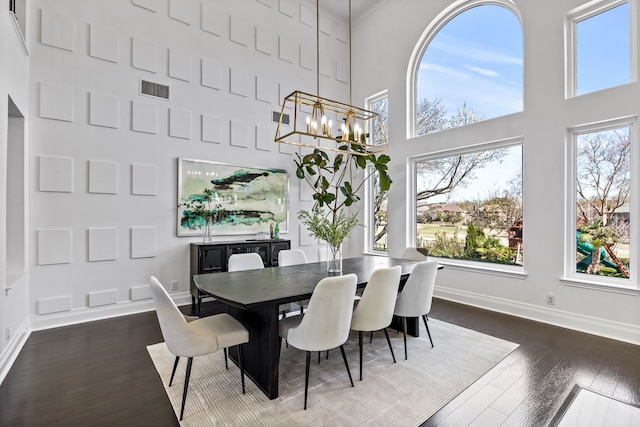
{"points": [[86, 314], [13, 348], [591, 325]]}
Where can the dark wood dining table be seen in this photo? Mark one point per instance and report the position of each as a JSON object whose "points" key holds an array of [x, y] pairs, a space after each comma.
{"points": [[253, 297]]}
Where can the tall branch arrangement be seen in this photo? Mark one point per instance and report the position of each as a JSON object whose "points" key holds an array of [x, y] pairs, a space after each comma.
{"points": [[334, 188]]}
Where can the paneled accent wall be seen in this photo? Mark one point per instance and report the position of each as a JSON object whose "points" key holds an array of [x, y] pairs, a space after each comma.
{"points": [[105, 155]]}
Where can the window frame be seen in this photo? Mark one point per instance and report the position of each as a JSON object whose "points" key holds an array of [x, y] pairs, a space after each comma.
{"points": [[513, 271], [583, 13], [369, 220], [571, 276], [438, 22]]}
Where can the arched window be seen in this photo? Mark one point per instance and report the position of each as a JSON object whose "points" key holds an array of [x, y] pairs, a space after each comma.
{"points": [[467, 67]]}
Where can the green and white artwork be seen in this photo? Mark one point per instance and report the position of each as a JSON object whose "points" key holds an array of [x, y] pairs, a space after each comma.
{"points": [[239, 200]]}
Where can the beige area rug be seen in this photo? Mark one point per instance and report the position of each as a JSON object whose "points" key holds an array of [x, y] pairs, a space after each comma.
{"points": [[406, 393]]}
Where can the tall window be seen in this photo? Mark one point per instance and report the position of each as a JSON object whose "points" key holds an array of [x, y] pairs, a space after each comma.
{"points": [[471, 70], [601, 47], [469, 204], [603, 225], [376, 221]]}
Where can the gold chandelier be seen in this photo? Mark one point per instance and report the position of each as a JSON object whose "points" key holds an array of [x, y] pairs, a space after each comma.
{"points": [[353, 135]]}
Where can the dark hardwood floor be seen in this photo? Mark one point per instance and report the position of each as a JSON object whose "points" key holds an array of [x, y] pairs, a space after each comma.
{"points": [[100, 374]]}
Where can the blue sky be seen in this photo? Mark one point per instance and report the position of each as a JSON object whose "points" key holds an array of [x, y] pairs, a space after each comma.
{"points": [[477, 58]]}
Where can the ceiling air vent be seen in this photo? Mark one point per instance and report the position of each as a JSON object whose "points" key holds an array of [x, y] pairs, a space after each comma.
{"points": [[154, 89]]}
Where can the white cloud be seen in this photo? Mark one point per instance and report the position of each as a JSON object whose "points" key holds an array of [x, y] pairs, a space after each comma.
{"points": [[474, 52], [484, 71], [450, 72]]}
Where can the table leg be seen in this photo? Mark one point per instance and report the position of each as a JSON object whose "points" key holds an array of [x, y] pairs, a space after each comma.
{"points": [[413, 325], [261, 352]]}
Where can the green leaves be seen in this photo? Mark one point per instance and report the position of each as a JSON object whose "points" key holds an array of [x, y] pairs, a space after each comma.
{"points": [[333, 179]]}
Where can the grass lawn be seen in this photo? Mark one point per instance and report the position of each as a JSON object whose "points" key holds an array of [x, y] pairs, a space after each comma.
{"points": [[428, 231]]}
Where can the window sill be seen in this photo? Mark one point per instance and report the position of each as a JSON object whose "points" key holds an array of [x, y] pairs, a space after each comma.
{"points": [[597, 286], [511, 271]]}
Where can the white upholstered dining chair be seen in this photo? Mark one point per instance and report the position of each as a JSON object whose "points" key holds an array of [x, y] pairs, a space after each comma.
{"points": [[375, 309], [288, 257], [326, 323], [197, 337], [252, 261], [242, 262], [415, 298]]}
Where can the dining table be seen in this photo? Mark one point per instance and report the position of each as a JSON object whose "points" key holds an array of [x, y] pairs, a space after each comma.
{"points": [[253, 298]]}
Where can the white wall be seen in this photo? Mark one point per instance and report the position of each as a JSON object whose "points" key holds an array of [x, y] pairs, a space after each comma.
{"points": [[88, 51], [14, 71], [543, 124]]}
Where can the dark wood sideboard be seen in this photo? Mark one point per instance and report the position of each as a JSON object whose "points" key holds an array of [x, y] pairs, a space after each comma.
{"points": [[213, 257]]}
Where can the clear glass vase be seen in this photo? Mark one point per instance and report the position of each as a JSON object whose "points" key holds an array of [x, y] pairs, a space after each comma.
{"points": [[207, 231], [334, 259]]}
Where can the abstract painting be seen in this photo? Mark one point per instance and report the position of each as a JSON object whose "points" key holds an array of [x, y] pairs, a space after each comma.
{"points": [[238, 199]]}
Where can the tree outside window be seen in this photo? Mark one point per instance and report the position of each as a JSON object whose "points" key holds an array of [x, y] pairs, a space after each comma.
{"points": [[469, 206], [603, 188], [377, 221]]}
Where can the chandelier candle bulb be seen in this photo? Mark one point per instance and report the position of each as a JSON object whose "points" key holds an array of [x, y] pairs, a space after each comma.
{"points": [[329, 129], [308, 124], [323, 122], [356, 132]]}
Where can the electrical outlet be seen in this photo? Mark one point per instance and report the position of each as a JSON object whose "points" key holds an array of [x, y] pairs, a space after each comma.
{"points": [[174, 285], [7, 333], [551, 299]]}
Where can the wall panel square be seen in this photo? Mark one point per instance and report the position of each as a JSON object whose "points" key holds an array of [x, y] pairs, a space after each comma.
{"points": [[56, 102], [103, 177], [143, 242], [144, 180], [179, 64], [144, 117], [239, 134], [57, 30], [211, 129], [144, 55], [103, 42], [179, 123], [56, 174], [103, 244], [212, 20], [211, 73], [103, 110], [54, 246]]}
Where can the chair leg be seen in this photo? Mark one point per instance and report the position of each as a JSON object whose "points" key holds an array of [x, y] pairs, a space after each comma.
{"points": [[427, 326], [327, 356], [360, 345], [226, 361], [186, 385], [370, 337], [346, 364], [404, 333], [241, 360], [390, 347], [306, 378], [175, 365]]}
